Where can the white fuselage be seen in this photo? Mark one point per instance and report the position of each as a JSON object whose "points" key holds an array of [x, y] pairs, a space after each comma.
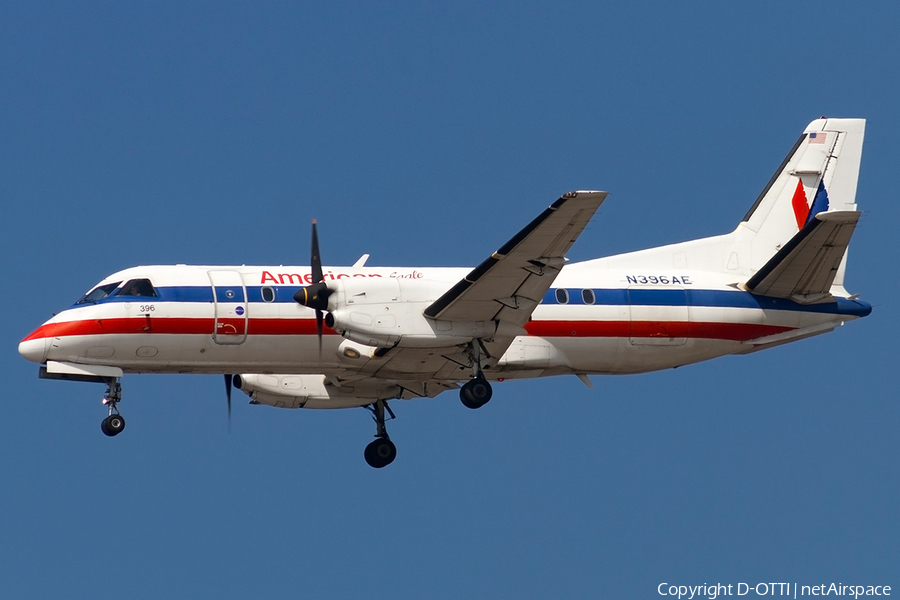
{"points": [[593, 320]]}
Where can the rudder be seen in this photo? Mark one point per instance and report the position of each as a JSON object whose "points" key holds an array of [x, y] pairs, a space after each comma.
{"points": [[819, 174]]}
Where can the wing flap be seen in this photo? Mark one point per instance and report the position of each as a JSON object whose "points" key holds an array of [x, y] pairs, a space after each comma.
{"points": [[804, 269]]}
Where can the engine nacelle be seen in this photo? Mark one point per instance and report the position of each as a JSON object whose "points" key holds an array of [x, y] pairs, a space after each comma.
{"points": [[390, 312], [308, 391]]}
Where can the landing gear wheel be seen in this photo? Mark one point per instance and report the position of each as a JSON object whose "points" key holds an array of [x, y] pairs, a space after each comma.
{"points": [[380, 453], [476, 393], [112, 425]]}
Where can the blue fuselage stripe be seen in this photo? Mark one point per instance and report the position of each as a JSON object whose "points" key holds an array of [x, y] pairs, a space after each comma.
{"points": [[602, 296], [710, 299]]}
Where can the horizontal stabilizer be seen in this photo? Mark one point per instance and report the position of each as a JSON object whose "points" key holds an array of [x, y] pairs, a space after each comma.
{"points": [[804, 269]]}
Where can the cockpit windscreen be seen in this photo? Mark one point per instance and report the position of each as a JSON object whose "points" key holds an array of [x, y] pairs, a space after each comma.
{"points": [[99, 293], [138, 287]]}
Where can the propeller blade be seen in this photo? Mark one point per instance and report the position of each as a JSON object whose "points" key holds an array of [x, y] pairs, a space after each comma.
{"points": [[316, 295], [315, 259], [228, 397], [319, 320]]}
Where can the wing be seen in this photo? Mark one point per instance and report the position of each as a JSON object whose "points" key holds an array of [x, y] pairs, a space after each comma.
{"points": [[511, 282], [505, 287]]}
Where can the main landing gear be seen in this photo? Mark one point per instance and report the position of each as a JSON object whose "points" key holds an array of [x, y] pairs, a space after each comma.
{"points": [[382, 451], [477, 391], [114, 423]]}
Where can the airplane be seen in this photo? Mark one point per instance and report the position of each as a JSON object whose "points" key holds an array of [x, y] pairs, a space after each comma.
{"points": [[341, 337]]}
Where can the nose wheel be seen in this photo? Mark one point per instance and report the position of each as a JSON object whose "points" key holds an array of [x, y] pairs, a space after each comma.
{"points": [[382, 451], [113, 424]]}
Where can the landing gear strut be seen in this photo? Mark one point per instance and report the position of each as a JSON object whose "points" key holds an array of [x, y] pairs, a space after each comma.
{"points": [[382, 451], [114, 423], [477, 391]]}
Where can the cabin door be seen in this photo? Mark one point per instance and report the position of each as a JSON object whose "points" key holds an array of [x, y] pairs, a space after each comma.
{"points": [[230, 301]]}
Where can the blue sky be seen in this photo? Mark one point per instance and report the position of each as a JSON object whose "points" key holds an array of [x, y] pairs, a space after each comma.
{"points": [[212, 133]]}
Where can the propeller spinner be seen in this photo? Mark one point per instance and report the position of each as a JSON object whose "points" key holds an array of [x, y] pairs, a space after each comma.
{"points": [[315, 296]]}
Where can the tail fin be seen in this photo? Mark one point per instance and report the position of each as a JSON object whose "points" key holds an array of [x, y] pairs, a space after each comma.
{"points": [[818, 175], [781, 247]]}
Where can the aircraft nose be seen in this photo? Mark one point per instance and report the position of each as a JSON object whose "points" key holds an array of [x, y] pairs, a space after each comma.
{"points": [[35, 350]]}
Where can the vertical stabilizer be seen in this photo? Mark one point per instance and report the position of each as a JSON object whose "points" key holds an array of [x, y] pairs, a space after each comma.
{"points": [[819, 174]]}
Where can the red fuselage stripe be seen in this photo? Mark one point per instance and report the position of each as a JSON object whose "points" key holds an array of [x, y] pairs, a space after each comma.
{"points": [[205, 326], [174, 325], [653, 329]]}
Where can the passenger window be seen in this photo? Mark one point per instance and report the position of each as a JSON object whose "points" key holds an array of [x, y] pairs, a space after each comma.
{"points": [[562, 296], [268, 294], [99, 292], [138, 287], [587, 296]]}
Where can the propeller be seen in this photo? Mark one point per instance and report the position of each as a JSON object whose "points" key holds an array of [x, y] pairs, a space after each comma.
{"points": [[228, 379], [315, 296]]}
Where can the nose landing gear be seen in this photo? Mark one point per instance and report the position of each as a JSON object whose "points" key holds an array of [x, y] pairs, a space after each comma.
{"points": [[114, 423], [382, 451]]}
